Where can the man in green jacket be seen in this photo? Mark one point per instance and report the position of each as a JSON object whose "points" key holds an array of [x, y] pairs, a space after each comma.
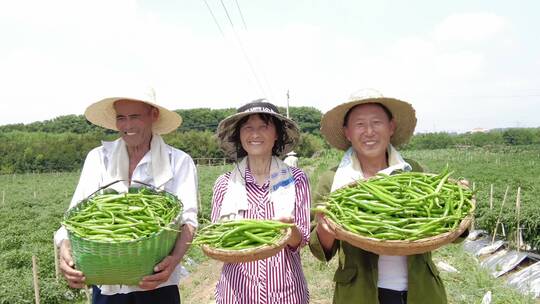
{"points": [[368, 128]]}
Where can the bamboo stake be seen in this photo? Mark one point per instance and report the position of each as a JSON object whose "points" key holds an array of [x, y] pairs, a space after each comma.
{"points": [[36, 279], [3, 196], [491, 197], [199, 201], [34, 194], [500, 213], [518, 206], [473, 219], [56, 268]]}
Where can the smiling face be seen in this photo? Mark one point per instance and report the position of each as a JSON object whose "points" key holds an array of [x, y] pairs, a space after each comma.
{"points": [[369, 129], [257, 136], [134, 121]]}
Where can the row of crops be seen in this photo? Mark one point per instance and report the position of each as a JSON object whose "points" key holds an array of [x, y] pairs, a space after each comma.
{"points": [[32, 206]]}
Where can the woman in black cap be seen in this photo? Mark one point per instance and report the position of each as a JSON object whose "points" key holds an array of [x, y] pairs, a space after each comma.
{"points": [[261, 186]]}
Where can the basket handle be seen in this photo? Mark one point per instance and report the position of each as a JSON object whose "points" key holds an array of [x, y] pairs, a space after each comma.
{"points": [[123, 180], [105, 186]]}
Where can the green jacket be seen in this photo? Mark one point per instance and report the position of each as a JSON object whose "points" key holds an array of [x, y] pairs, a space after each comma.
{"points": [[357, 274]]}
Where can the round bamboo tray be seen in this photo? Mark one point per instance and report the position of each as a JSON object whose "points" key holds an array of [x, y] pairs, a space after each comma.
{"points": [[396, 247], [247, 255], [402, 247]]}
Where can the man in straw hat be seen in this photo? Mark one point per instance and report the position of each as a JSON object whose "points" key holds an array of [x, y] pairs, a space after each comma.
{"points": [[140, 154], [368, 129], [261, 186]]}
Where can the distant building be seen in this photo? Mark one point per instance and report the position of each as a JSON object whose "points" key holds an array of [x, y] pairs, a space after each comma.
{"points": [[478, 130]]}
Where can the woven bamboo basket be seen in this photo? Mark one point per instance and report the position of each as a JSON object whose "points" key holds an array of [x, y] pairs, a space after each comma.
{"points": [[395, 247], [105, 263], [401, 247], [247, 255]]}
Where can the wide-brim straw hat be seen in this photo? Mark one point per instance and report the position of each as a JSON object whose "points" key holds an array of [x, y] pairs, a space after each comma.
{"points": [[227, 126], [103, 114], [403, 114]]}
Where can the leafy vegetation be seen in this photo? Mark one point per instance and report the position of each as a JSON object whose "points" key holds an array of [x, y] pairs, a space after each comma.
{"points": [[443, 140], [198, 119], [33, 205], [502, 167]]}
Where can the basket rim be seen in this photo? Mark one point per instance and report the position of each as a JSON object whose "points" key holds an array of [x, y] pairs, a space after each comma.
{"points": [[464, 224], [82, 203], [241, 254]]}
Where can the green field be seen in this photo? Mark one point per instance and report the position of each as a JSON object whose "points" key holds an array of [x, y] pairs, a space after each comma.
{"points": [[31, 207]]}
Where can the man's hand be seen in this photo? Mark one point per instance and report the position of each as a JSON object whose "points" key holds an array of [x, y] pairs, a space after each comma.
{"points": [[163, 271], [74, 277], [323, 227], [326, 234]]}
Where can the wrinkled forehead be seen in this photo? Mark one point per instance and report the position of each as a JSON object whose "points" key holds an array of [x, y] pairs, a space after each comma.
{"points": [[367, 110]]}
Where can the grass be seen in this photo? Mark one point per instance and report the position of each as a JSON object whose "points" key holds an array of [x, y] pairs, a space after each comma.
{"points": [[472, 282], [31, 211], [29, 221], [501, 167], [466, 287]]}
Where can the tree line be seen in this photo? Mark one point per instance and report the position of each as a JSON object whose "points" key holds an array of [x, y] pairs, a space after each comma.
{"points": [[199, 119], [61, 144], [496, 137]]}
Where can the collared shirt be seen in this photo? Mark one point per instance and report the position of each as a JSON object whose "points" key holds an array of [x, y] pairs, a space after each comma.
{"points": [[183, 185], [277, 279]]}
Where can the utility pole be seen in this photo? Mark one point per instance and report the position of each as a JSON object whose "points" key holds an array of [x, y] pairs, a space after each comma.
{"points": [[287, 103]]}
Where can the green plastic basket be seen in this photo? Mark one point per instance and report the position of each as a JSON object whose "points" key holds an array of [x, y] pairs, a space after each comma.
{"points": [[104, 263]]}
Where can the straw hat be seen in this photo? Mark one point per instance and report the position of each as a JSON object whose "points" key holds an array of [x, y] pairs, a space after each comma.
{"points": [[227, 126], [403, 114], [103, 114]]}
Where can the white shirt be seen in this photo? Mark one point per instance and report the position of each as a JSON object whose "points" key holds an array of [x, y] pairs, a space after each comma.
{"points": [[393, 272], [183, 184], [392, 269]]}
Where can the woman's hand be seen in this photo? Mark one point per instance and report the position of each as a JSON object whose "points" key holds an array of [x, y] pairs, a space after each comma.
{"points": [[296, 236]]}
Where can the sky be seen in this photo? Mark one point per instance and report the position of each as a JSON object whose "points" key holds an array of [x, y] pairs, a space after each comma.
{"points": [[461, 64]]}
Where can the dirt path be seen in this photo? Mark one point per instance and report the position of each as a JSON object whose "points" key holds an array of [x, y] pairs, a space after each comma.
{"points": [[199, 286]]}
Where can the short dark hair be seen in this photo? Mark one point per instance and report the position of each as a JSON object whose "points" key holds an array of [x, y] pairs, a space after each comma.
{"points": [[279, 145], [385, 109]]}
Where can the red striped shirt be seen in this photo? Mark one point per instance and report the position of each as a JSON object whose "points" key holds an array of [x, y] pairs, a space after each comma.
{"points": [[278, 279]]}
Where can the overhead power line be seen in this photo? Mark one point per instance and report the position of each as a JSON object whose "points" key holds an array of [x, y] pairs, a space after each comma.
{"points": [[241, 15], [244, 52], [214, 17], [227, 13]]}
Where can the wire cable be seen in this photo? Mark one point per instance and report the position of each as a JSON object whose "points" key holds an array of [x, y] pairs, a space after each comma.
{"points": [[241, 15], [214, 17], [244, 52]]}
